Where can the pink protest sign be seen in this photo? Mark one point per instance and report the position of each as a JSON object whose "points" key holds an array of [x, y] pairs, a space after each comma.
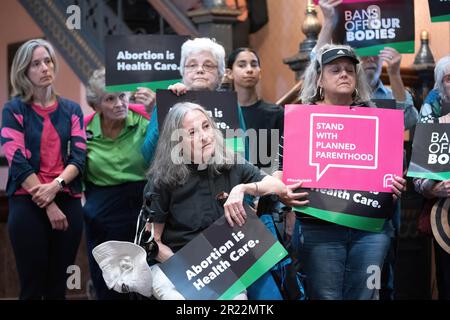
{"points": [[337, 147]]}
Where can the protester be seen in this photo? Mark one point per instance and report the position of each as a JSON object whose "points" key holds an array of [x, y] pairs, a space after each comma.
{"points": [[372, 65], [115, 169], [267, 119], [202, 66], [190, 170], [335, 257], [43, 139]]}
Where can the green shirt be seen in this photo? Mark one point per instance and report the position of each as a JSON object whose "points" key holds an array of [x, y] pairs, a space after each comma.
{"points": [[115, 161]]}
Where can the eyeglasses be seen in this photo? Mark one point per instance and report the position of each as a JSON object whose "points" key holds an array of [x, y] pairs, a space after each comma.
{"points": [[446, 78], [207, 67]]}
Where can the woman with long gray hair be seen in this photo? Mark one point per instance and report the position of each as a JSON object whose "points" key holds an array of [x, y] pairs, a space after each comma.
{"points": [[190, 169], [335, 257]]}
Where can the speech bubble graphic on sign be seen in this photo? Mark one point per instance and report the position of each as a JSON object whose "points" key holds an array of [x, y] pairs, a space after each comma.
{"points": [[333, 142], [342, 147]]}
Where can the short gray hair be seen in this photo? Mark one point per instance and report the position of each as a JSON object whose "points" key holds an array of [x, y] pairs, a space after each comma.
{"points": [[170, 174], [197, 45], [95, 87], [310, 92], [442, 68], [20, 83]]}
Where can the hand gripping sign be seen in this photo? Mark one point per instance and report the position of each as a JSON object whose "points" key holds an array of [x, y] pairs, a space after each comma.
{"points": [[339, 147]]}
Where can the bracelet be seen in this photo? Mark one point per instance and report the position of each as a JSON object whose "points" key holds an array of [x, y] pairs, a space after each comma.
{"points": [[257, 189]]}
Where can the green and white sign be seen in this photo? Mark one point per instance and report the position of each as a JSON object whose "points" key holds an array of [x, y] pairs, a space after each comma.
{"points": [[430, 156], [370, 25], [222, 106], [150, 61], [222, 261], [439, 10], [355, 209]]}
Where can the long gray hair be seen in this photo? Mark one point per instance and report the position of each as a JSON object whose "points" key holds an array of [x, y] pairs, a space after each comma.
{"points": [[20, 83], [169, 168], [310, 92], [442, 68]]}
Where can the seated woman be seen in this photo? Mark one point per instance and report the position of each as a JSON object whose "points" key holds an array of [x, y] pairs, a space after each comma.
{"points": [[190, 169]]}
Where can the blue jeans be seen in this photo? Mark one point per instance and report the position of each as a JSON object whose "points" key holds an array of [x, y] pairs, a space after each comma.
{"points": [[340, 263]]}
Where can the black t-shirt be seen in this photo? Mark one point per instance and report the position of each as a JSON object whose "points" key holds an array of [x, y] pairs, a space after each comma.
{"points": [[263, 115], [191, 208]]}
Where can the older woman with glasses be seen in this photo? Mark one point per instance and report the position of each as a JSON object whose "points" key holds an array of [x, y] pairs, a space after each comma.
{"points": [[202, 67], [336, 258], [43, 139], [115, 169], [431, 110]]}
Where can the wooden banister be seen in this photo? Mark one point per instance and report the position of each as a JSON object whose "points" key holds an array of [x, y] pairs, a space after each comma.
{"points": [[175, 18], [408, 74], [292, 96]]}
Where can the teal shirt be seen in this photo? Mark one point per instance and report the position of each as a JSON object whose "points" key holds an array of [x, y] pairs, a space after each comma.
{"points": [[115, 161]]}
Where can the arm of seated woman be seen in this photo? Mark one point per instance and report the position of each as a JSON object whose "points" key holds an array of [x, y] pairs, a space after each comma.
{"points": [[234, 208], [164, 252]]}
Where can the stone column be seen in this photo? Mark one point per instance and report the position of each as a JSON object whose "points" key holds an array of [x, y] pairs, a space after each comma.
{"points": [[311, 28]]}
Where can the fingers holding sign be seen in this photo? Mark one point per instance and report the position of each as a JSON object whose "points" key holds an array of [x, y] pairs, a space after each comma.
{"points": [[295, 199], [398, 186], [146, 97]]}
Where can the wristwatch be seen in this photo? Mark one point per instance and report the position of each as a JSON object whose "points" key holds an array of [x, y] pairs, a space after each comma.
{"points": [[61, 182]]}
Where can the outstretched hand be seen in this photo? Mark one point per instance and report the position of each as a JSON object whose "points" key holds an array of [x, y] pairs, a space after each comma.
{"points": [[328, 8], [392, 58], [146, 97]]}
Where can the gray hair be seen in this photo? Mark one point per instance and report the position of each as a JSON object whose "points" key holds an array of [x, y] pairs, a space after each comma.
{"points": [[442, 67], [169, 172], [21, 85], [197, 45], [95, 87], [310, 91]]}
